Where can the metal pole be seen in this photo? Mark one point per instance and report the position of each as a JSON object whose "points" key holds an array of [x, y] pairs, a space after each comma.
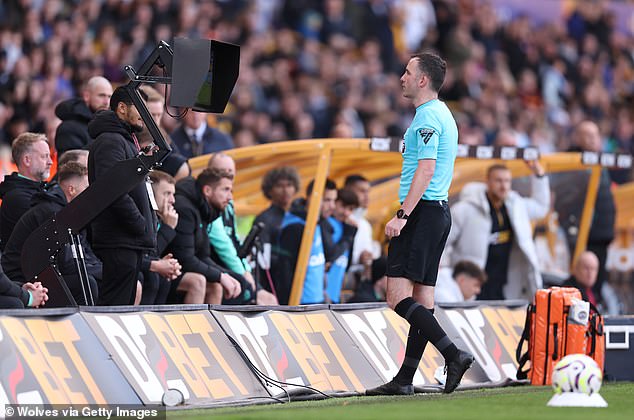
{"points": [[78, 265], [587, 214]]}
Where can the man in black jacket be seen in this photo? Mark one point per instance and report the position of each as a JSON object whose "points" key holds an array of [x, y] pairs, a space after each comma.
{"points": [[587, 138], [199, 202], [76, 113], [160, 276], [127, 228], [73, 179], [32, 156]]}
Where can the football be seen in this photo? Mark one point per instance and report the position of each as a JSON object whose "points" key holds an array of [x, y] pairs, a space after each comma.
{"points": [[577, 373]]}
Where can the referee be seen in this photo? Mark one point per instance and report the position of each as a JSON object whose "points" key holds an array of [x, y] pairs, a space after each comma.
{"points": [[419, 229]]}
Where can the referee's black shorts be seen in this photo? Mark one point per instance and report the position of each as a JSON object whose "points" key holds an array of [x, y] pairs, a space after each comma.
{"points": [[415, 253]]}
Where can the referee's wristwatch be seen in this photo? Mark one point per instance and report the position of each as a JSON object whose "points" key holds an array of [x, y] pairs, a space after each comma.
{"points": [[400, 214]]}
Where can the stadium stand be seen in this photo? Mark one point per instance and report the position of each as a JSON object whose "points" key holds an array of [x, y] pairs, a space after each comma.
{"points": [[527, 73], [304, 70], [521, 74]]}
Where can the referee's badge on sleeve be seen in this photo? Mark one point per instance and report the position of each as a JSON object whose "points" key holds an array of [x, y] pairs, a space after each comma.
{"points": [[425, 134]]}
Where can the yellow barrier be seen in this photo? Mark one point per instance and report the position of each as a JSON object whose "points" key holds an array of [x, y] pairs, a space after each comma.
{"points": [[100, 356], [338, 158]]}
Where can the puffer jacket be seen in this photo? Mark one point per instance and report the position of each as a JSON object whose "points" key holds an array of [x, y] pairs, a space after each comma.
{"points": [[129, 222], [471, 228]]}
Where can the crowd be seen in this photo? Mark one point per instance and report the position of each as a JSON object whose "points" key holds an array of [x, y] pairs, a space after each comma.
{"points": [[308, 69], [314, 69]]}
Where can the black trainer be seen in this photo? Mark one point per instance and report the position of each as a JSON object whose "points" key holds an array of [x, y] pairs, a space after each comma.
{"points": [[456, 369], [391, 388]]}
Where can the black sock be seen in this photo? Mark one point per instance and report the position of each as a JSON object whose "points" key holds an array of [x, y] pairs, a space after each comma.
{"points": [[416, 343], [420, 317]]}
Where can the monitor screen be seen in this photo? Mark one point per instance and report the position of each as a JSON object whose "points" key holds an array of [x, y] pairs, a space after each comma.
{"points": [[204, 73]]}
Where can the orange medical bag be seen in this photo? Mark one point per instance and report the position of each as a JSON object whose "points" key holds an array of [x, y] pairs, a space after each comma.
{"points": [[558, 323]]}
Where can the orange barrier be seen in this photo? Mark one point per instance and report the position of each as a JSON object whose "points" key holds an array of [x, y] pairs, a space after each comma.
{"points": [[57, 360], [132, 355]]}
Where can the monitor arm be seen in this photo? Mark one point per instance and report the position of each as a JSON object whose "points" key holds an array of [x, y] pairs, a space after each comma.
{"points": [[41, 247], [161, 56]]}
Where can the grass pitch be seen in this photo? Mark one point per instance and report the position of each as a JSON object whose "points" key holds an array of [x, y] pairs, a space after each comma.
{"points": [[515, 403]]}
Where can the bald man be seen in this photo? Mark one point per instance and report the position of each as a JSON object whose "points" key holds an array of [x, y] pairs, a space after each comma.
{"points": [[587, 137], [584, 276], [506, 138], [76, 113]]}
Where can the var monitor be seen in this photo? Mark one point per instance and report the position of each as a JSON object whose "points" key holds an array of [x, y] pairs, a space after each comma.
{"points": [[204, 73]]}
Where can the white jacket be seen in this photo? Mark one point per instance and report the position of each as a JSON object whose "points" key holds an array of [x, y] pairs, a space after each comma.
{"points": [[471, 228], [363, 240], [447, 289]]}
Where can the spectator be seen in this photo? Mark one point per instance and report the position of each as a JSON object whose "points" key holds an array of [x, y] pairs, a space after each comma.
{"points": [[289, 243], [491, 225], [463, 285], [275, 60], [417, 18], [72, 181], [16, 125], [76, 113], [341, 228], [244, 138], [225, 243], [126, 228], [352, 47], [198, 203], [6, 163], [584, 276], [313, 52], [588, 138], [32, 157], [194, 137], [505, 138]]}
